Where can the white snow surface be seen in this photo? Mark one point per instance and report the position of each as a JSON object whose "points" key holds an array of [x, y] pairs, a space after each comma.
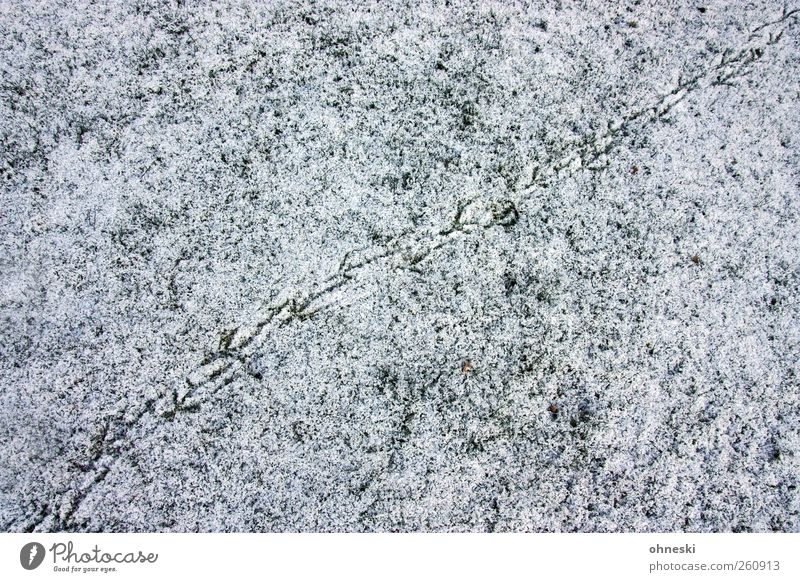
{"points": [[375, 266]]}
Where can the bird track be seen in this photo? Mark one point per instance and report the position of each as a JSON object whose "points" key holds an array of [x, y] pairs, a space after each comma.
{"points": [[236, 346]]}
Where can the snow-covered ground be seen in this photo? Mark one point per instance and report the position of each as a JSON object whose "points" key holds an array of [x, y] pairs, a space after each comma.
{"points": [[446, 266]]}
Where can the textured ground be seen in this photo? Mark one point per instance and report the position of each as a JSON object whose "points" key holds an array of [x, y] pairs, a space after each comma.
{"points": [[445, 266]]}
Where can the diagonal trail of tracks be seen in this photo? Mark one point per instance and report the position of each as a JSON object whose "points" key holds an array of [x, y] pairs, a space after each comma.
{"points": [[232, 356]]}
